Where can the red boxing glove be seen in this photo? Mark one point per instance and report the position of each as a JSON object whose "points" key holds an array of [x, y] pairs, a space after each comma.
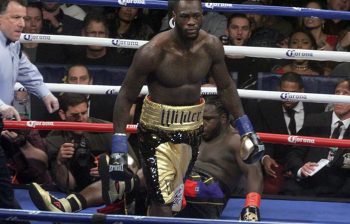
{"points": [[251, 210]]}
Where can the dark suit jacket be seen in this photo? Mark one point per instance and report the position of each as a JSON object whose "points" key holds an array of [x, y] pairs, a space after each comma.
{"points": [[331, 180], [272, 121]]}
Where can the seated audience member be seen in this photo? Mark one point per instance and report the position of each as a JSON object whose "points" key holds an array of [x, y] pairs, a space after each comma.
{"points": [[95, 25], [238, 32], [27, 157], [129, 24], [282, 117], [40, 53], [302, 40], [275, 23], [218, 169], [56, 22], [333, 179], [336, 26], [100, 106], [315, 25], [73, 154]]}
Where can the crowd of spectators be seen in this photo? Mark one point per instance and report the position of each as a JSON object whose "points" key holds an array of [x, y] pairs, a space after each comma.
{"points": [[282, 174]]}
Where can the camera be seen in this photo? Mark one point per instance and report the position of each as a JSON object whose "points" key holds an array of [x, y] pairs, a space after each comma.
{"points": [[82, 154]]}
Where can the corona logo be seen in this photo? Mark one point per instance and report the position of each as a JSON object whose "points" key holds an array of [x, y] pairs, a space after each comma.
{"points": [[291, 96], [213, 5], [110, 91], [27, 37], [115, 42], [126, 2], [209, 5], [33, 124], [295, 53], [296, 139]]}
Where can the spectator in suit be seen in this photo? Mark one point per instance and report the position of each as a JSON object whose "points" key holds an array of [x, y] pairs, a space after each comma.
{"points": [[282, 117], [333, 179]]}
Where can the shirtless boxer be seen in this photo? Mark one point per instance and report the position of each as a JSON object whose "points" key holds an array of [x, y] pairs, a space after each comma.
{"points": [[173, 65]]}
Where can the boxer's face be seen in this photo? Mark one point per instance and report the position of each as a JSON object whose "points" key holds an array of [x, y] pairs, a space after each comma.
{"points": [[211, 122], [188, 18], [12, 20], [342, 110]]}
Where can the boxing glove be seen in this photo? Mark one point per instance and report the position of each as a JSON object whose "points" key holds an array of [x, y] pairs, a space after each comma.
{"points": [[118, 163], [252, 149], [251, 210]]}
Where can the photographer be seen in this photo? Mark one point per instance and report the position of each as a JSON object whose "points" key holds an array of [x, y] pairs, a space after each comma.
{"points": [[72, 154]]}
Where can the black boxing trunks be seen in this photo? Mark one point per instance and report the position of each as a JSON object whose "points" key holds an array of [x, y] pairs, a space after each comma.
{"points": [[169, 139]]}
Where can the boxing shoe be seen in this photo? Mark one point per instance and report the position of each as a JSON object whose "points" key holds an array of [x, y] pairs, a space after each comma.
{"points": [[44, 201]]}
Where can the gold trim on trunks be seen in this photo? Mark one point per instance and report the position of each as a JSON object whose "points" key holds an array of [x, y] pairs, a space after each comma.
{"points": [[172, 118]]}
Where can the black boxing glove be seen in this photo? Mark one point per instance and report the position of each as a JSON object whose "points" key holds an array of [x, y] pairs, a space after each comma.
{"points": [[252, 149], [118, 163], [251, 211]]}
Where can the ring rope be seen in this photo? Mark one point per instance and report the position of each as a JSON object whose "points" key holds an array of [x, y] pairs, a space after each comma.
{"points": [[221, 7], [97, 127], [19, 214], [259, 52], [244, 93]]}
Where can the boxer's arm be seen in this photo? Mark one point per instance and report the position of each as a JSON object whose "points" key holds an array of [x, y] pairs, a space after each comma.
{"points": [[254, 186], [136, 77], [252, 148]]}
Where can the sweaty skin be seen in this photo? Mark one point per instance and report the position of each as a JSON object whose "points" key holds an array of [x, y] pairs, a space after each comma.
{"points": [[173, 65]]}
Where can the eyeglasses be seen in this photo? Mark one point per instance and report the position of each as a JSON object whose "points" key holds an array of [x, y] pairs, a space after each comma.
{"points": [[76, 116]]}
